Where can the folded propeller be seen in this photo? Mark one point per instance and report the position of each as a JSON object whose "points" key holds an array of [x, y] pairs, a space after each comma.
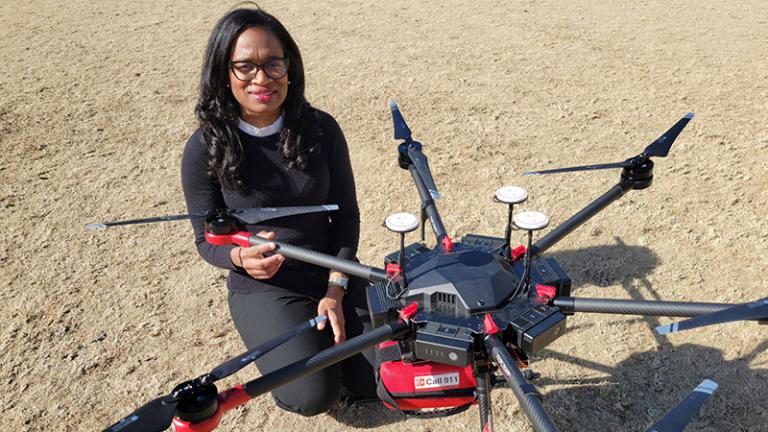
{"points": [[158, 414], [757, 310], [249, 216], [659, 148], [678, 417], [413, 148]]}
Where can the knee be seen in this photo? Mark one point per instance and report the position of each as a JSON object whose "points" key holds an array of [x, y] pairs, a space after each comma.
{"points": [[306, 404], [311, 395]]}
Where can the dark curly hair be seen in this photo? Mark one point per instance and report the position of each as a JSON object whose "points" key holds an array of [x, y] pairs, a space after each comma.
{"points": [[218, 111]]}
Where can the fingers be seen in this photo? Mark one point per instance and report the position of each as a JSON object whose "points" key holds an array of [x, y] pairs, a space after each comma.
{"points": [[337, 325], [257, 264], [263, 268], [269, 235], [333, 311]]}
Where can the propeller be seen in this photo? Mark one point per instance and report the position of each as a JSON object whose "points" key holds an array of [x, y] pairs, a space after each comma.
{"points": [[420, 161], [158, 414], [249, 216], [659, 148], [678, 417], [757, 310], [402, 131]]}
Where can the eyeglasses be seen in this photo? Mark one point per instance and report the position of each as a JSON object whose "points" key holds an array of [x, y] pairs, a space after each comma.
{"points": [[247, 71]]}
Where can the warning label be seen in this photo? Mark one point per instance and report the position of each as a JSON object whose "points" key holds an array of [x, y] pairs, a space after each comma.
{"points": [[436, 381]]}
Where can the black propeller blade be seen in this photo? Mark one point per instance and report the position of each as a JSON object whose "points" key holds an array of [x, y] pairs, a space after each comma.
{"points": [[402, 132], [253, 216], [248, 216], [105, 225], [420, 161], [157, 415], [154, 416], [659, 148], [757, 310], [678, 417], [235, 364], [577, 168]]}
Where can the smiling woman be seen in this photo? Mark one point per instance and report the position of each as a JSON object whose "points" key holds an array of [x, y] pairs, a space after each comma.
{"points": [[260, 144], [259, 76]]}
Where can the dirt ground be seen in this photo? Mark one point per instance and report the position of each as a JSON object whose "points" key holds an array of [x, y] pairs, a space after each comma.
{"points": [[97, 101]]}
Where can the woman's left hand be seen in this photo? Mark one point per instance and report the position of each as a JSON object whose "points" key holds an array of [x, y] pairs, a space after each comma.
{"points": [[330, 306]]}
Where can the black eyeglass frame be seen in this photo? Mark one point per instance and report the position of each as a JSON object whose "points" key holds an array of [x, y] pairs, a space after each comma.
{"points": [[260, 67]]}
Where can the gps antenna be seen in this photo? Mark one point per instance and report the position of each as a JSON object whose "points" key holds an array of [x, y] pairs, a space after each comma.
{"points": [[401, 223], [509, 195], [530, 221]]}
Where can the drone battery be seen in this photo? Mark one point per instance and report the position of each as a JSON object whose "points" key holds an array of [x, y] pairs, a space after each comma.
{"points": [[444, 343], [547, 271], [537, 328], [381, 306], [414, 386]]}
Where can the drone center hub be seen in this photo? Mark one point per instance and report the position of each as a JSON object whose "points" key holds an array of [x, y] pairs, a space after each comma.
{"points": [[461, 283]]}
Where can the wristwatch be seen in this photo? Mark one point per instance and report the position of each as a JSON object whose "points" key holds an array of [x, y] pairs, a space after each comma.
{"points": [[341, 281]]}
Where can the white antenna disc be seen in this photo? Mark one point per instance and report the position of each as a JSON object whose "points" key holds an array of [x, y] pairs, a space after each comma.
{"points": [[511, 194], [531, 220], [401, 222]]}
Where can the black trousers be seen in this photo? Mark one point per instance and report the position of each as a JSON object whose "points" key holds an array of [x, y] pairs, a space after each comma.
{"points": [[262, 315]]}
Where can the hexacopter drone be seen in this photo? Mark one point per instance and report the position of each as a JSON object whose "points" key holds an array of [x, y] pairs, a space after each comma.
{"points": [[450, 322]]}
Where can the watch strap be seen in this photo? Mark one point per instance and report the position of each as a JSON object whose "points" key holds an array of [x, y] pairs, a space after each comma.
{"points": [[338, 281]]}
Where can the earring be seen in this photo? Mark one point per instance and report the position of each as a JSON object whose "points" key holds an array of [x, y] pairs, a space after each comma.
{"points": [[289, 82]]}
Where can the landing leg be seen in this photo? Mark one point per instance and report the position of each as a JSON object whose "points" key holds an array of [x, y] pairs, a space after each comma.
{"points": [[484, 401]]}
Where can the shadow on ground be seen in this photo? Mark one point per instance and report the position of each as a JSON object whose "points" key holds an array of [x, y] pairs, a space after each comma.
{"points": [[642, 388]]}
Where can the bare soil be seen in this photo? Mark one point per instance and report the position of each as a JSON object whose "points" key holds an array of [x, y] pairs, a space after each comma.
{"points": [[97, 101]]}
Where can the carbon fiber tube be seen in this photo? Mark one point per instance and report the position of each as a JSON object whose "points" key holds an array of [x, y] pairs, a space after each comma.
{"points": [[372, 274], [516, 381], [580, 218], [428, 205], [325, 358], [637, 307], [484, 401]]}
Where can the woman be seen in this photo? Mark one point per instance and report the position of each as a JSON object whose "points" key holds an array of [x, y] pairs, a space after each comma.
{"points": [[260, 144]]}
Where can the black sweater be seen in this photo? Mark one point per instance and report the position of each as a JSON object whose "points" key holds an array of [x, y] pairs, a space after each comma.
{"points": [[269, 183]]}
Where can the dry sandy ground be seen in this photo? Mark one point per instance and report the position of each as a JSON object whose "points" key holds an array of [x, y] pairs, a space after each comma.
{"points": [[97, 103]]}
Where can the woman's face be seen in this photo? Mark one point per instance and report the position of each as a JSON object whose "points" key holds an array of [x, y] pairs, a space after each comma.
{"points": [[261, 99]]}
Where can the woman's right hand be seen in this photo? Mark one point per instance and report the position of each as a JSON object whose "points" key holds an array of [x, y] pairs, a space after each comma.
{"points": [[253, 261]]}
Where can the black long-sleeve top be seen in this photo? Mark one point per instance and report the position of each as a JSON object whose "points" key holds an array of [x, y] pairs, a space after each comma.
{"points": [[268, 182]]}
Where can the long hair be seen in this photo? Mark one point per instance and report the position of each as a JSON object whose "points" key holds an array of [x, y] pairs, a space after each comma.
{"points": [[218, 111]]}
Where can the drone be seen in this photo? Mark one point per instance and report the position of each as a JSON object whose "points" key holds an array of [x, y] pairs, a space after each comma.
{"points": [[451, 322]]}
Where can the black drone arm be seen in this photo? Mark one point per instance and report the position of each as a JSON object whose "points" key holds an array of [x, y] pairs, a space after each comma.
{"points": [[326, 358], [525, 393], [428, 206], [634, 307], [372, 274], [581, 217]]}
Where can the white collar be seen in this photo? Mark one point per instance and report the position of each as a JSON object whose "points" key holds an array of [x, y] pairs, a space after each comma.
{"points": [[261, 132]]}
